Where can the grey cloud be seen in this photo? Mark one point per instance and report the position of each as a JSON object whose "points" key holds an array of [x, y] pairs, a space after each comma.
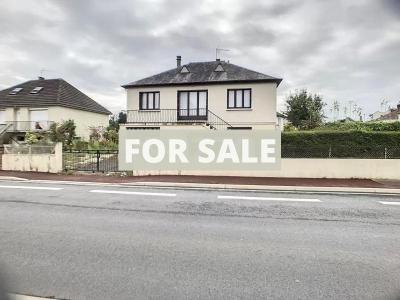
{"points": [[342, 49]]}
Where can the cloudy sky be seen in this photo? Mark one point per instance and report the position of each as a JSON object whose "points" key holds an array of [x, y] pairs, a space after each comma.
{"points": [[348, 50]]}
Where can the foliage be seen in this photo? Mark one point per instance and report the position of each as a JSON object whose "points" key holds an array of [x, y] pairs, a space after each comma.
{"points": [[289, 127], [111, 135], [32, 138], [304, 110], [305, 139], [341, 144], [102, 139], [116, 120], [63, 132], [102, 145], [80, 145], [96, 133], [360, 126]]}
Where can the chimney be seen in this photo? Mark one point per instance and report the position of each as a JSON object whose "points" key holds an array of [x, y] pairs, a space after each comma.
{"points": [[178, 61], [41, 78], [398, 106]]}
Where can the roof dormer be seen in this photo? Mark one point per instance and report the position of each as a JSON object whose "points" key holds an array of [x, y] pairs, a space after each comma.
{"points": [[219, 68], [36, 90], [15, 91], [184, 70]]}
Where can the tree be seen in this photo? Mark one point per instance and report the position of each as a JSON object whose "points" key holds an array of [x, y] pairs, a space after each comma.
{"points": [[64, 133], [116, 120], [96, 133], [304, 110]]}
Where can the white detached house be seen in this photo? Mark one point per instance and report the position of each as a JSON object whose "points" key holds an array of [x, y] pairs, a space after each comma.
{"points": [[36, 104], [213, 95]]}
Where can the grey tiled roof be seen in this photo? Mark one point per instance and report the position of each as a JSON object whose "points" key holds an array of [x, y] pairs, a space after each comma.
{"points": [[204, 73], [55, 92]]}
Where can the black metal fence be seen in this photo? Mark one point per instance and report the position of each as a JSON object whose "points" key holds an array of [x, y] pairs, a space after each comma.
{"points": [[91, 160], [107, 160]]}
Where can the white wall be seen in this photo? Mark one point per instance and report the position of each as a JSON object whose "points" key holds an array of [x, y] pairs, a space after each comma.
{"points": [[262, 113], [312, 168], [49, 163], [83, 119]]}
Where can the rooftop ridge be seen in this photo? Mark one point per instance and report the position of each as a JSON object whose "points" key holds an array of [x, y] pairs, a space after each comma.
{"points": [[203, 73]]}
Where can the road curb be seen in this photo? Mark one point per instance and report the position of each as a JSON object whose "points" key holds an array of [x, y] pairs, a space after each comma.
{"points": [[267, 188], [218, 186]]}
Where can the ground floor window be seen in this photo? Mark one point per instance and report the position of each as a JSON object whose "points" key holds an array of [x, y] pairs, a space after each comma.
{"points": [[143, 128], [240, 128]]}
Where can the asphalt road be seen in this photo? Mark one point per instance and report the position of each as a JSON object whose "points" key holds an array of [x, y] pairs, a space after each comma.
{"points": [[110, 242]]}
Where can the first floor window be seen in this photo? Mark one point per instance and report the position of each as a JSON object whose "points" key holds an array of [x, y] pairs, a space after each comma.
{"points": [[39, 119], [149, 100], [192, 103], [239, 98]]}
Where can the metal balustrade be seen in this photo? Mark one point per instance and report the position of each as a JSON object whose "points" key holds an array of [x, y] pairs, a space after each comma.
{"points": [[177, 116], [24, 126]]}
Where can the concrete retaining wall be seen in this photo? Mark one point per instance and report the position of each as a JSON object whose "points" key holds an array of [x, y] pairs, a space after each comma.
{"points": [[312, 168], [51, 163]]}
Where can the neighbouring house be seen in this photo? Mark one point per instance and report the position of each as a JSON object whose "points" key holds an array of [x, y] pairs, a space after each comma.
{"points": [[391, 116], [282, 120], [36, 104], [214, 95], [376, 115]]}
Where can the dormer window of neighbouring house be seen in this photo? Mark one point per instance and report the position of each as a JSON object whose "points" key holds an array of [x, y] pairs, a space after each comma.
{"points": [[36, 90], [15, 91]]}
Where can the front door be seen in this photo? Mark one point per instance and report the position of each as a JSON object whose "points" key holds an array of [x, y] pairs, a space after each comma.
{"points": [[192, 105]]}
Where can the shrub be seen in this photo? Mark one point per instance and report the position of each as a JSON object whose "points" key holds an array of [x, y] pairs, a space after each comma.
{"points": [[31, 138], [338, 138], [80, 145], [111, 135], [64, 133], [360, 126], [341, 144]]}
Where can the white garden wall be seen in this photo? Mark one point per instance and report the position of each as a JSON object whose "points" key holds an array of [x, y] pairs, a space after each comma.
{"points": [[46, 162], [312, 168]]}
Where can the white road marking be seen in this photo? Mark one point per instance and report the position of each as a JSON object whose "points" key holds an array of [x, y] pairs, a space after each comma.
{"points": [[389, 203], [268, 199], [30, 187], [133, 193], [24, 297]]}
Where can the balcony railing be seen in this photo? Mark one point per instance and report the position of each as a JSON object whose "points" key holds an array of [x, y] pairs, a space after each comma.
{"points": [[24, 126], [176, 116]]}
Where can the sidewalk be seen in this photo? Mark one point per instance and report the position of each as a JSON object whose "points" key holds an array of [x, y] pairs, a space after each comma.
{"points": [[187, 181]]}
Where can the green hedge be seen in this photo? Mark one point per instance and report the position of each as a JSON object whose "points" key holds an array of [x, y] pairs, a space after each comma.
{"points": [[341, 138], [336, 144], [360, 126]]}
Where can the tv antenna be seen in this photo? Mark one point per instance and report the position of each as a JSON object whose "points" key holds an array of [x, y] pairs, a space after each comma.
{"points": [[43, 71], [218, 52]]}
